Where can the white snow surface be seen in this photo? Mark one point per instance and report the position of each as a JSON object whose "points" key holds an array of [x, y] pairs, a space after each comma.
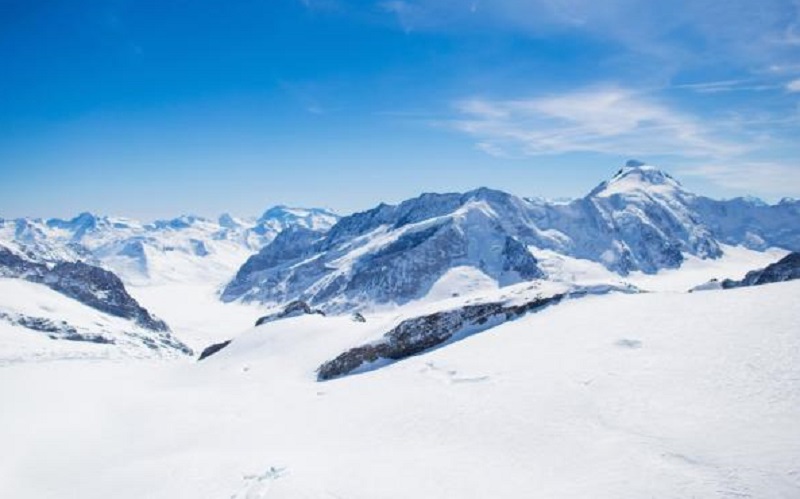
{"points": [[668, 395]]}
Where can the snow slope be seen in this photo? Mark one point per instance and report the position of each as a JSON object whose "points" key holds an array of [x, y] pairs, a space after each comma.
{"points": [[105, 336], [668, 395]]}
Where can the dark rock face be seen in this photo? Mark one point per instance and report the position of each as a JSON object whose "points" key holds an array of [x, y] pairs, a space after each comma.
{"points": [[518, 259], [101, 290], [12, 265], [357, 317], [90, 285], [293, 309], [419, 334], [56, 330], [786, 269], [212, 349], [271, 263], [412, 263]]}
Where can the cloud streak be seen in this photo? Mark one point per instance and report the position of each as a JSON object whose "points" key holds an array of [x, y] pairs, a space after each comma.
{"points": [[604, 120], [741, 32], [769, 178], [714, 87]]}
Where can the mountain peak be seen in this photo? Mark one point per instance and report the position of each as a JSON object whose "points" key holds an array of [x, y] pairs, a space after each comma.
{"points": [[283, 212], [227, 221], [634, 163], [637, 176], [178, 223], [275, 211], [84, 220], [647, 172], [280, 216], [486, 193]]}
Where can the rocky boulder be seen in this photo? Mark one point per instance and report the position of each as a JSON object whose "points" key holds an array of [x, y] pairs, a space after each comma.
{"points": [[293, 309]]}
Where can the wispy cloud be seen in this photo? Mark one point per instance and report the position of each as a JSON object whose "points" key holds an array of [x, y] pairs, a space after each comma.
{"points": [[618, 121], [605, 120], [745, 33], [793, 86], [768, 178], [742, 85]]}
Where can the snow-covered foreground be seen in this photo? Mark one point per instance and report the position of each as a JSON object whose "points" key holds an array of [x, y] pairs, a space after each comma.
{"points": [[616, 396]]}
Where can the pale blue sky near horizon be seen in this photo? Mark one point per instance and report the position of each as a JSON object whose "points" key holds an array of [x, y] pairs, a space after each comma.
{"points": [[152, 109]]}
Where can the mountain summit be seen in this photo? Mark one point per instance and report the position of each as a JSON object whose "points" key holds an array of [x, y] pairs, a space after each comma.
{"points": [[638, 177]]}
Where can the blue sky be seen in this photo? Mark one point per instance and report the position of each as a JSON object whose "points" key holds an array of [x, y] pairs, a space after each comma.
{"points": [[157, 108]]}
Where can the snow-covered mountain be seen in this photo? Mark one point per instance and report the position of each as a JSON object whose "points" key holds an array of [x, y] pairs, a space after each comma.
{"points": [[390, 253], [172, 267], [642, 219], [184, 248], [281, 217], [751, 222]]}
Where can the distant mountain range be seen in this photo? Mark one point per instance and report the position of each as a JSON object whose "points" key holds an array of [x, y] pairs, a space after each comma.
{"points": [[188, 246], [642, 219], [77, 272]]}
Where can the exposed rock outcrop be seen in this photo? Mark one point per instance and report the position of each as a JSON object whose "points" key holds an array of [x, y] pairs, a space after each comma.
{"points": [[785, 269], [90, 285], [293, 309], [101, 290], [419, 334], [60, 330], [212, 349]]}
